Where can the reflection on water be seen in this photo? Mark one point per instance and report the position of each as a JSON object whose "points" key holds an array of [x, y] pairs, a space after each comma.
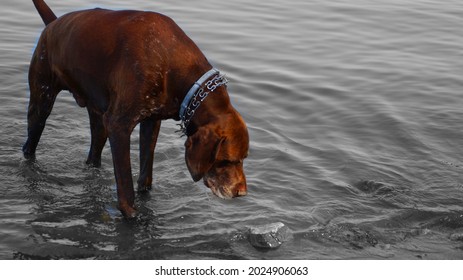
{"points": [[354, 113]]}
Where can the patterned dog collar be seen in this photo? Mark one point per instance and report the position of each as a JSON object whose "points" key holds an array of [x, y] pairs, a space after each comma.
{"points": [[196, 95]]}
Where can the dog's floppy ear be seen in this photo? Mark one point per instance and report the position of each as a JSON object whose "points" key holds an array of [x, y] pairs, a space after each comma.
{"points": [[201, 151]]}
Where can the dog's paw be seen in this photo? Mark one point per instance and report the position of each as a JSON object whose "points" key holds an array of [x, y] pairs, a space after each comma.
{"points": [[142, 188], [27, 153], [128, 212]]}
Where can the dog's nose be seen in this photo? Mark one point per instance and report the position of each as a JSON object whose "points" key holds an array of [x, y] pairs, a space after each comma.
{"points": [[241, 190]]}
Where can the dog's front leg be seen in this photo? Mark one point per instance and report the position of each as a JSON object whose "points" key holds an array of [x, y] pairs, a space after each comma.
{"points": [[119, 138], [149, 131]]}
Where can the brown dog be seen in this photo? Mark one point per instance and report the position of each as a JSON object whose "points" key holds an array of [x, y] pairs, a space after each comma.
{"points": [[130, 67]]}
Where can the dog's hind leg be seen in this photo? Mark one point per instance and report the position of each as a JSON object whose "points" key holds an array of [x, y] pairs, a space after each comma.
{"points": [[43, 92], [149, 131], [99, 136]]}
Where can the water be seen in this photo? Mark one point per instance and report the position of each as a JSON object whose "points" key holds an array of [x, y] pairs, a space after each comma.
{"points": [[354, 110]]}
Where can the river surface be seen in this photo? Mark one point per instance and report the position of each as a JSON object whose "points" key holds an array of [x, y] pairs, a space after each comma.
{"points": [[354, 109]]}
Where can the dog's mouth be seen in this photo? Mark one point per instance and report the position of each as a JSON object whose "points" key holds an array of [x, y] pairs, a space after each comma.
{"points": [[224, 191], [216, 189]]}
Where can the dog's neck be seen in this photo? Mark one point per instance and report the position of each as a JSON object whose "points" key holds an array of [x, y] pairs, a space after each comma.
{"points": [[207, 84]]}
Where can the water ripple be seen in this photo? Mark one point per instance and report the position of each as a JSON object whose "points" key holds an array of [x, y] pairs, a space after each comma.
{"points": [[354, 113]]}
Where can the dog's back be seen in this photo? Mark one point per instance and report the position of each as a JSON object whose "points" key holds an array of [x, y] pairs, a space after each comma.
{"points": [[147, 44]]}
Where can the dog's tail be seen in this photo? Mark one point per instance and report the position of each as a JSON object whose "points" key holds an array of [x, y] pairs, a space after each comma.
{"points": [[45, 12]]}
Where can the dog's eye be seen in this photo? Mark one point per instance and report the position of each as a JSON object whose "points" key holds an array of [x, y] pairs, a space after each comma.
{"points": [[224, 163]]}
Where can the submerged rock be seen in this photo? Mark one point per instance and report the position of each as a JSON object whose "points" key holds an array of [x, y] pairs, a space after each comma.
{"points": [[269, 236], [456, 237]]}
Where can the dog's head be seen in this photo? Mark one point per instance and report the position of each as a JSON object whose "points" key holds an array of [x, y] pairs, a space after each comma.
{"points": [[215, 152]]}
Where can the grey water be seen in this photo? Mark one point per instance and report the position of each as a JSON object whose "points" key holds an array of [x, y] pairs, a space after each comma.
{"points": [[354, 109]]}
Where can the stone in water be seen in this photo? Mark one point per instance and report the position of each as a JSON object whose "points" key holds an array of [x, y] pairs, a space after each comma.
{"points": [[456, 237], [269, 236]]}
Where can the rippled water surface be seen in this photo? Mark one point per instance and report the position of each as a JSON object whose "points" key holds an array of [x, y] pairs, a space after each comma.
{"points": [[354, 110]]}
